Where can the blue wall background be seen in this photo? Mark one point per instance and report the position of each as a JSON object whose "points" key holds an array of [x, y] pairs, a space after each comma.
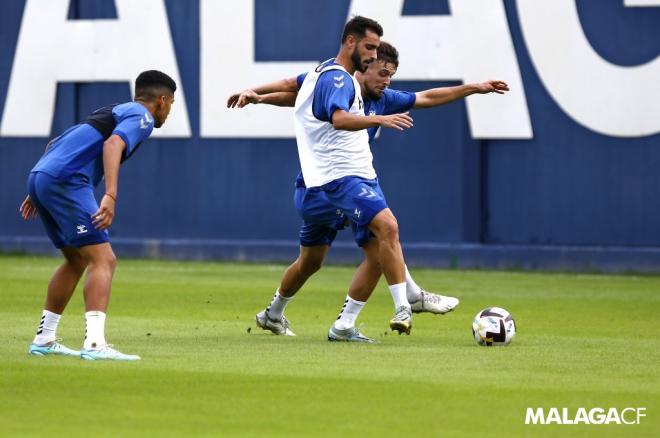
{"points": [[568, 199]]}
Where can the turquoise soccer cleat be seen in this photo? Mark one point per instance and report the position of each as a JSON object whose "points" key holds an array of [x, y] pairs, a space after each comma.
{"points": [[52, 348], [106, 352]]}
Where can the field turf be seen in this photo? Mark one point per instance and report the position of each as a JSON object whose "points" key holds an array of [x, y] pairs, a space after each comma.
{"points": [[583, 341]]}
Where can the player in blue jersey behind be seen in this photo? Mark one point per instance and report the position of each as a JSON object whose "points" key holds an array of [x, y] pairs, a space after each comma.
{"points": [[318, 229], [61, 192]]}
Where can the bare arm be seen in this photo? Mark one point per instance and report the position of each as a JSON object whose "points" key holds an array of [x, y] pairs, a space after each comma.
{"points": [[283, 85], [283, 98], [440, 96], [279, 99], [112, 152], [346, 121]]}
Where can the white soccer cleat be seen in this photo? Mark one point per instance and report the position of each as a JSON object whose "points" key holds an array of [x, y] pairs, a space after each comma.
{"points": [[434, 303], [402, 321], [279, 327], [106, 352], [352, 334]]}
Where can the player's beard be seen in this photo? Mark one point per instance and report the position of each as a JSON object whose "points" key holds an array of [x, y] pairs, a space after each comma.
{"points": [[357, 61], [373, 95]]}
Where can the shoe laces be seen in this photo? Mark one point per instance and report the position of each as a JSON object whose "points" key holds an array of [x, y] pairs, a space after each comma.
{"points": [[285, 322], [431, 298], [357, 331], [54, 342]]}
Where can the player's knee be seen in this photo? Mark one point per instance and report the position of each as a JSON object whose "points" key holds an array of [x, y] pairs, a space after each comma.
{"points": [[310, 265], [76, 262], [388, 230], [371, 253], [106, 262], [111, 261]]}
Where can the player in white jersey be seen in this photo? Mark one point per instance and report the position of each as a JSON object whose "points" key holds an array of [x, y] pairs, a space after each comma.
{"points": [[334, 151]]}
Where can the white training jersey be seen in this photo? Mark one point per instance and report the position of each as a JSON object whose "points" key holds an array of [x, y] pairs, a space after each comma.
{"points": [[327, 154]]}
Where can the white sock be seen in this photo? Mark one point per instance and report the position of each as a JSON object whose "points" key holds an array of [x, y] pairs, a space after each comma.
{"points": [[94, 329], [398, 292], [47, 328], [277, 306], [413, 291], [349, 313]]}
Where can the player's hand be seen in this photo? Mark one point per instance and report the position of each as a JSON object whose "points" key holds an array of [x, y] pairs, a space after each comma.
{"points": [[231, 102], [397, 121], [27, 209], [239, 100], [102, 219], [499, 87], [247, 97]]}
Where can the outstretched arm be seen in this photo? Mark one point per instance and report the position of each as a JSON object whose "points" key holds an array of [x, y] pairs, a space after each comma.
{"points": [[280, 99], [283, 98], [346, 121], [283, 85], [440, 96]]}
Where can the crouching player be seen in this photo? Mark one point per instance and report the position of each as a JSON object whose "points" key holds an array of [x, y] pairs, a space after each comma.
{"points": [[61, 192]]}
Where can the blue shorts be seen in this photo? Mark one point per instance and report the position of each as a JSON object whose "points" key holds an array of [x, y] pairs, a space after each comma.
{"points": [[322, 219], [66, 209], [358, 198]]}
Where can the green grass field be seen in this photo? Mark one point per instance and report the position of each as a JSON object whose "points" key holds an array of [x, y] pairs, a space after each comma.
{"points": [[583, 341]]}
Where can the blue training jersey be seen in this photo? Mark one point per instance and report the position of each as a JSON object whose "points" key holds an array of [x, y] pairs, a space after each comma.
{"points": [[78, 152], [390, 102], [334, 90]]}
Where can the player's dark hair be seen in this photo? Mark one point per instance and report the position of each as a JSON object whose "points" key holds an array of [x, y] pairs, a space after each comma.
{"points": [[358, 26], [152, 84], [388, 53]]}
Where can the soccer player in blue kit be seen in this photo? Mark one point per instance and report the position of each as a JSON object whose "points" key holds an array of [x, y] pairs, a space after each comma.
{"points": [[61, 191], [321, 220]]}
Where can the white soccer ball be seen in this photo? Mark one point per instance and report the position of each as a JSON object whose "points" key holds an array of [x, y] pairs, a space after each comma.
{"points": [[493, 326]]}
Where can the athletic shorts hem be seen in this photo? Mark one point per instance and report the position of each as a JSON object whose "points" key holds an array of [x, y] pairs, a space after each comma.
{"points": [[92, 239]]}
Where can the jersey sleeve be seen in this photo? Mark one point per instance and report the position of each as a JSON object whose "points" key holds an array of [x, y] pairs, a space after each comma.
{"points": [[334, 90], [134, 125], [398, 101], [300, 79]]}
